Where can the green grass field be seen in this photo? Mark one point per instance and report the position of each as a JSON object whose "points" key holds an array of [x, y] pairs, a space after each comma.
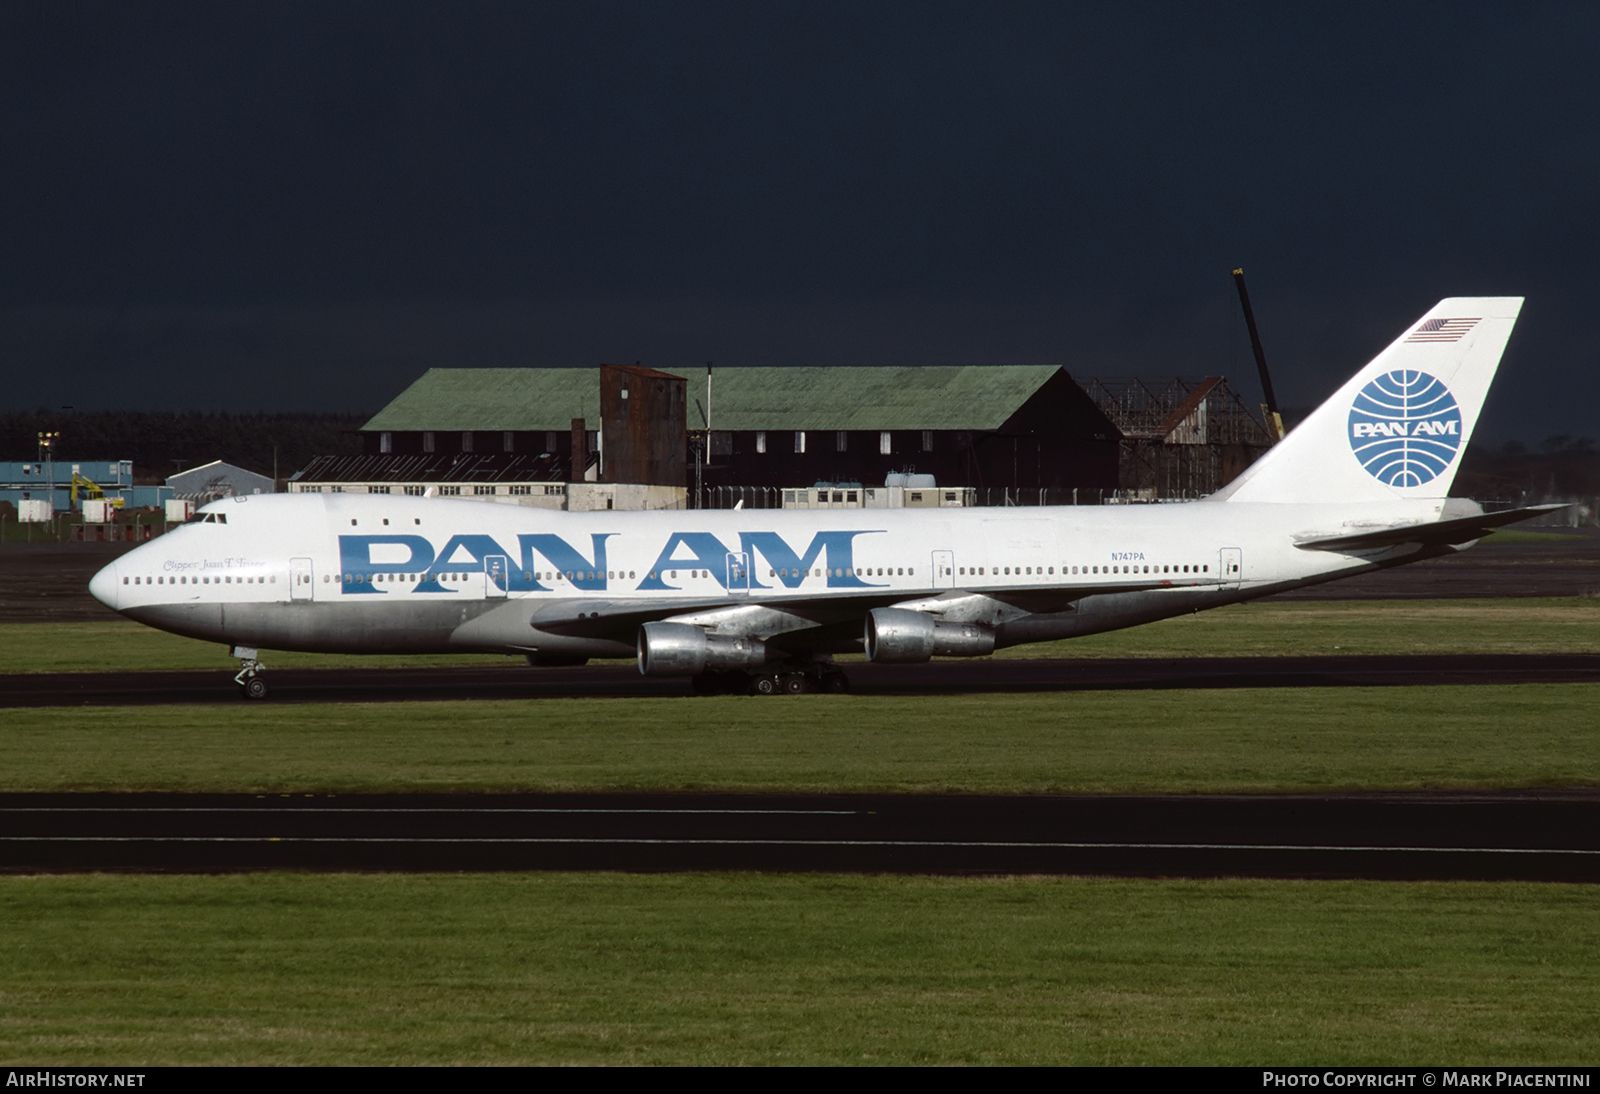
{"points": [[1260, 629], [749, 968], [1178, 741], [764, 969]]}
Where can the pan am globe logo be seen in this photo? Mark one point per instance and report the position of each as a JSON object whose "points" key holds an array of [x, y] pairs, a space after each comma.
{"points": [[1405, 428]]}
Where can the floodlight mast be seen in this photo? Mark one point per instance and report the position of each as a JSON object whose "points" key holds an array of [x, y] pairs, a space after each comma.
{"points": [[46, 443]]}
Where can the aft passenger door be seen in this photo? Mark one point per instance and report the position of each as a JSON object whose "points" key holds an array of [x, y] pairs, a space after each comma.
{"points": [[1232, 567], [944, 569]]}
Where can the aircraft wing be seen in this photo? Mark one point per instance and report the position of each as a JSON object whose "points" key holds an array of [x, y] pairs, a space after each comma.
{"points": [[773, 616], [1440, 532]]}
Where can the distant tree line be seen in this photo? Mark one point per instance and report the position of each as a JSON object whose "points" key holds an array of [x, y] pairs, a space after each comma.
{"points": [[1557, 468], [161, 443]]}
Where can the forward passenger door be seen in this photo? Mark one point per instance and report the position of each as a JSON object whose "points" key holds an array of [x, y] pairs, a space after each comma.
{"points": [[302, 584]]}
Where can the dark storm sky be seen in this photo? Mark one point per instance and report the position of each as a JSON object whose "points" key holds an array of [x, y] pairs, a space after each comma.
{"points": [[285, 206]]}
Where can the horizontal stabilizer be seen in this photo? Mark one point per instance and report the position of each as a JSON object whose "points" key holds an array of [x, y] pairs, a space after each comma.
{"points": [[1441, 532]]}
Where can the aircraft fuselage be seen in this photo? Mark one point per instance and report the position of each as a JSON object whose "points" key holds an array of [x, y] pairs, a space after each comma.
{"points": [[368, 574]]}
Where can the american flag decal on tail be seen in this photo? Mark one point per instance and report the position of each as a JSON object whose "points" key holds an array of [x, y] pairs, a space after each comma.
{"points": [[1442, 330]]}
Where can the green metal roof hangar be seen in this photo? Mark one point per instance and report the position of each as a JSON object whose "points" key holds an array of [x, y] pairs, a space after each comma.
{"points": [[1011, 428]]}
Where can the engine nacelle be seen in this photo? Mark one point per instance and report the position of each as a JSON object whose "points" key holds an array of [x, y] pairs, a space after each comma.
{"points": [[895, 636], [679, 649]]}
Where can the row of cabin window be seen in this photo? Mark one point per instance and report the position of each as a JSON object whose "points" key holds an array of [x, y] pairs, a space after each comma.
{"points": [[580, 575], [270, 579], [617, 575], [905, 571], [527, 575], [1045, 571], [890, 571]]}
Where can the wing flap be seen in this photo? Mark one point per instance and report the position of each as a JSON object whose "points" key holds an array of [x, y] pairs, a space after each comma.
{"points": [[1457, 530]]}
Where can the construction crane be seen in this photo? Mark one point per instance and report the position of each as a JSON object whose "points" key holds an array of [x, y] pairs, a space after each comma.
{"points": [[1269, 409]]}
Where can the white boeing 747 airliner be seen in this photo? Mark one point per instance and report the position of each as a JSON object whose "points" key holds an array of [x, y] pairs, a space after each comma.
{"points": [[761, 600]]}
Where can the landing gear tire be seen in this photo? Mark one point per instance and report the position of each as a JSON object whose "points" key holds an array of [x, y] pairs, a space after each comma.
{"points": [[252, 685], [835, 683], [764, 685], [795, 683]]}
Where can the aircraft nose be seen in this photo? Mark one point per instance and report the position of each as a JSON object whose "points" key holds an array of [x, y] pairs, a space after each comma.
{"points": [[105, 586]]}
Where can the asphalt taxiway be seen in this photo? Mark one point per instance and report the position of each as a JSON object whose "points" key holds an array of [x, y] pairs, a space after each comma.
{"points": [[1541, 836], [515, 681]]}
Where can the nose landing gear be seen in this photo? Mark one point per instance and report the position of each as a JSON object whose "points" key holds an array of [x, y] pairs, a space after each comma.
{"points": [[252, 684]]}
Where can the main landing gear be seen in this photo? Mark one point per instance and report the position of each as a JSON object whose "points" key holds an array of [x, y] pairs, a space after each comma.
{"points": [[821, 677], [252, 684]]}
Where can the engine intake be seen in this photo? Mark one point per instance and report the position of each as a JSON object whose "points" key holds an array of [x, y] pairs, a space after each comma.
{"points": [[679, 649], [895, 636]]}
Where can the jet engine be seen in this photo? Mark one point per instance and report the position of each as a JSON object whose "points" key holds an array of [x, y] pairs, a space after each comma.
{"points": [[896, 636], [678, 649]]}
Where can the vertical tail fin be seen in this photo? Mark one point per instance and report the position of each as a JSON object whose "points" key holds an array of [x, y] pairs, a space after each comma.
{"points": [[1398, 428]]}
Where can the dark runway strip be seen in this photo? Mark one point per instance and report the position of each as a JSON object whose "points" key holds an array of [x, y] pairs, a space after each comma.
{"points": [[943, 678], [1545, 836]]}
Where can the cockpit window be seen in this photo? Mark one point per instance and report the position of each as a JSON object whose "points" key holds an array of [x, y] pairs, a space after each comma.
{"points": [[208, 518]]}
